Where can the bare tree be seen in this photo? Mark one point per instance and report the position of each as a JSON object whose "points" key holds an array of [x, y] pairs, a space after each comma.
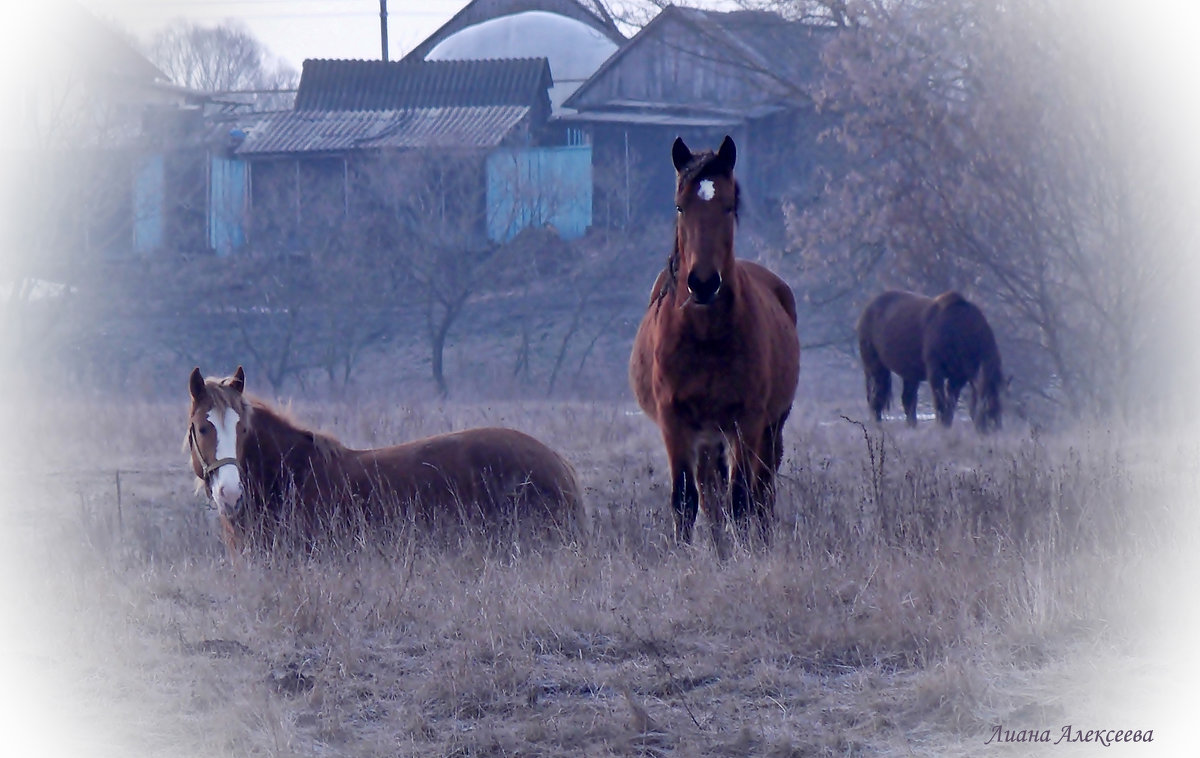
{"points": [[442, 207], [820, 12], [454, 243], [631, 15], [224, 58]]}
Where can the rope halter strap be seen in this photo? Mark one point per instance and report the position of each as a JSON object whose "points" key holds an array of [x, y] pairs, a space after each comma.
{"points": [[209, 468]]}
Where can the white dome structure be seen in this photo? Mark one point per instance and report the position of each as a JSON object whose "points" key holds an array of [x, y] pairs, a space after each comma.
{"points": [[575, 50]]}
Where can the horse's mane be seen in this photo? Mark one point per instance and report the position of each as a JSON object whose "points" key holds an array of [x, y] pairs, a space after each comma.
{"points": [[949, 299], [702, 167], [223, 396], [670, 281], [325, 444]]}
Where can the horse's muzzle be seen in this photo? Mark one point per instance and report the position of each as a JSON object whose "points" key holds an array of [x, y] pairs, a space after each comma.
{"points": [[227, 495], [704, 291]]}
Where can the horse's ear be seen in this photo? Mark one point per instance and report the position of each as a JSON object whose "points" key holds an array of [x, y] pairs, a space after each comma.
{"points": [[239, 380], [681, 156], [196, 384], [726, 155]]}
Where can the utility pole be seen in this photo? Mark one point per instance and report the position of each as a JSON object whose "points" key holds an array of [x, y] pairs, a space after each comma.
{"points": [[383, 28]]}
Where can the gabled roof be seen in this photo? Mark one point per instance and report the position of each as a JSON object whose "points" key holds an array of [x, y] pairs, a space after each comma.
{"points": [[484, 10], [357, 85], [319, 131], [778, 54], [789, 49]]}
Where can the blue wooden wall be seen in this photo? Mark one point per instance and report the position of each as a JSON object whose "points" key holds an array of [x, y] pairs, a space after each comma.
{"points": [[148, 202], [227, 204], [544, 186]]}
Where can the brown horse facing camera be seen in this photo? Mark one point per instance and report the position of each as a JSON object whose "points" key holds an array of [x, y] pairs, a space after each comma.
{"points": [[272, 480], [945, 340], [716, 358]]}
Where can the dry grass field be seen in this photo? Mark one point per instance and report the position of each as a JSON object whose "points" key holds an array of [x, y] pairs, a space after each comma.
{"points": [[924, 588]]}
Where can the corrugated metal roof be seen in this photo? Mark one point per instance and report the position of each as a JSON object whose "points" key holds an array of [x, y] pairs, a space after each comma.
{"points": [[354, 85], [336, 131]]}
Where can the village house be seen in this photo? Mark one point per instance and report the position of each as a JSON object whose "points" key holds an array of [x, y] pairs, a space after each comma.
{"points": [[364, 133], [701, 75], [548, 115], [480, 99]]}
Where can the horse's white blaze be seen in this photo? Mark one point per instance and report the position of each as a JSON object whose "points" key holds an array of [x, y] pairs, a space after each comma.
{"points": [[707, 190], [226, 482]]}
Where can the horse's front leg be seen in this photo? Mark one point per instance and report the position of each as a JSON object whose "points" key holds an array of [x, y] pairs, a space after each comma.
{"points": [[770, 457], [685, 502], [764, 505], [713, 473], [685, 497], [742, 500], [937, 384], [753, 483], [953, 390], [908, 398]]}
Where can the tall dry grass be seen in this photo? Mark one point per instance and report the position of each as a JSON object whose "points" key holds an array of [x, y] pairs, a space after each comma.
{"points": [[923, 587]]}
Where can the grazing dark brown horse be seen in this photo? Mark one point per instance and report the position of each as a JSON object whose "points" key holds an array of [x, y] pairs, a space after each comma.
{"points": [[716, 358], [271, 479], [945, 340]]}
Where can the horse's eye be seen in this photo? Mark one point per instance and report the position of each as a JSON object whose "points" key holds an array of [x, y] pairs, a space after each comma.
{"points": [[678, 209], [203, 431]]}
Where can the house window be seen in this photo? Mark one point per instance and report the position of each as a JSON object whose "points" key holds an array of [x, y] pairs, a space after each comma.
{"points": [[576, 137]]}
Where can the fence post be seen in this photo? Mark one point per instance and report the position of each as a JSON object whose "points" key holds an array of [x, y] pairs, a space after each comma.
{"points": [[120, 518]]}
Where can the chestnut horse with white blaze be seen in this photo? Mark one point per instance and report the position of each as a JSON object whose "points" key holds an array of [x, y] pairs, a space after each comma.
{"points": [[271, 479], [716, 359]]}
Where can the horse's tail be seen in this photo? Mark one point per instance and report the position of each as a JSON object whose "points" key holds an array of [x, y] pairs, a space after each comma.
{"points": [[990, 383], [553, 484], [989, 378], [574, 524], [578, 519], [878, 376]]}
